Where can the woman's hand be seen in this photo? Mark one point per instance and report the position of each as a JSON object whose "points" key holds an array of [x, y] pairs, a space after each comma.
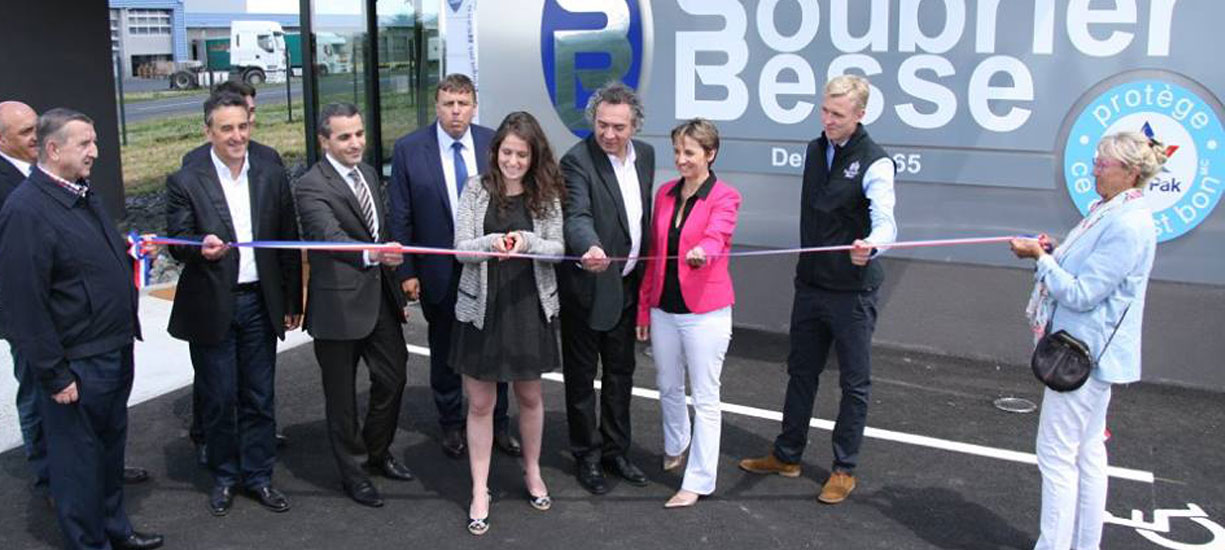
{"points": [[499, 244], [696, 257], [1027, 248], [515, 243], [643, 332]]}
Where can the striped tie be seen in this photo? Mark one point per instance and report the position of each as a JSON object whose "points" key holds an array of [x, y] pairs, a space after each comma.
{"points": [[363, 198]]}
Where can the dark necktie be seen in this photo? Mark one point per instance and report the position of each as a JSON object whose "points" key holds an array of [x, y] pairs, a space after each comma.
{"points": [[461, 169], [363, 199]]}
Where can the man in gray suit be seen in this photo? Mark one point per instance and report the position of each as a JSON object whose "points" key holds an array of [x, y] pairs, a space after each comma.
{"points": [[607, 211], [354, 308]]}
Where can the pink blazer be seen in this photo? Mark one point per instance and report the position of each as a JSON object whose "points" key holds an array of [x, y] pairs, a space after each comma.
{"points": [[710, 225]]}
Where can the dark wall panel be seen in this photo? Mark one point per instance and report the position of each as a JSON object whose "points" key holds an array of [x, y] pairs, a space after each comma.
{"points": [[57, 53]]}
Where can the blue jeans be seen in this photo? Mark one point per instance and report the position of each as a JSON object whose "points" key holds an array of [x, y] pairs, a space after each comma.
{"points": [[236, 375], [31, 421]]}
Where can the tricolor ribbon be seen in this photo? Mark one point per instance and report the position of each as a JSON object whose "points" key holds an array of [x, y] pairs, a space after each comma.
{"points": [[142, 262]]}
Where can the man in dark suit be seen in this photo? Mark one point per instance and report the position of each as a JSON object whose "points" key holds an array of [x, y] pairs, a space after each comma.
{"points": [[608, 208], [232, 303], [258, 151], [261, 154], [428, 171], [354, 307], [69, 281]]}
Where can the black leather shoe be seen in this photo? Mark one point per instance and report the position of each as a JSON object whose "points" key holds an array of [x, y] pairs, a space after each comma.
{"points": [[139, 541], [270, 498], [132, 476], [202, 454], [220, 500], [507, 443], [591, 478], [364, 493], [453, 444], [391, 469], [281, 440], [626, 470]]}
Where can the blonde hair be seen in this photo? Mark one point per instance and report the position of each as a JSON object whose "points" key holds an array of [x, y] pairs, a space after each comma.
{"points": [[1134, 150], [702, 131], [849, 85]]}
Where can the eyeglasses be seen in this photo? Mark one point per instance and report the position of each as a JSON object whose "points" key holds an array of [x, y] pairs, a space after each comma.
{"points": [[1104, 163]]}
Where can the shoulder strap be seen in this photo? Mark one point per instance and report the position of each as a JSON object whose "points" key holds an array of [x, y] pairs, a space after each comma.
{"points": [[1112, 333]]}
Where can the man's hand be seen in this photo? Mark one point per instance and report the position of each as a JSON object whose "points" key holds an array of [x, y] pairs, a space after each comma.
{"points": [[861, 253], [213, 248], [696, 257], [412, 288], [67, 395], [595, 260], [643, 332], [293, 321], [391, 256]]}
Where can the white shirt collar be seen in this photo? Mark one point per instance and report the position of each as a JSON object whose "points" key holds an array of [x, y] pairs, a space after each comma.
{"points": [[445, 140], [223, 170], [630, 155], [23, 166], [341, 168]]}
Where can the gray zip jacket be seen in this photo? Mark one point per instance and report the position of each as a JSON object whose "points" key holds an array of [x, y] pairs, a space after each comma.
{"points": [[545, 238]]}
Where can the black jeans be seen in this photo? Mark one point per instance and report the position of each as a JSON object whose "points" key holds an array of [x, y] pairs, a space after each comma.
{"points": [[237, 398], [584, 350], [32, 436], [821, 319]]}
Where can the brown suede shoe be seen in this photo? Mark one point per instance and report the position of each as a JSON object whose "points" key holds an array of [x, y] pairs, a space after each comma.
{"points": [[837, 487], [770, 464]]}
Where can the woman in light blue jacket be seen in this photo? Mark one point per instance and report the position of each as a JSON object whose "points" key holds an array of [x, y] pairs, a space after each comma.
{"points": [[1091, 284]]}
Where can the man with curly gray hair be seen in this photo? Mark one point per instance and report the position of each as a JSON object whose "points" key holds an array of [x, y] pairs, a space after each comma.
{"points": [[608, 195]]}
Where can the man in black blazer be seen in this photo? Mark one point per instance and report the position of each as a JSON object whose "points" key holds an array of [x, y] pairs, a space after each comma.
{"points": [[231, 304], [258, 151], [428, 170], [69, 280], [609, 176], [354, 307]]}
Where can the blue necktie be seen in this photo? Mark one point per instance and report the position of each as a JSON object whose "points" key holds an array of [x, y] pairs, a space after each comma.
{"points": [[461, 169]]}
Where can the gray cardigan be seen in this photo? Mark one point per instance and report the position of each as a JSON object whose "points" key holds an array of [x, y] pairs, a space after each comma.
{"points": [[545, 238]]}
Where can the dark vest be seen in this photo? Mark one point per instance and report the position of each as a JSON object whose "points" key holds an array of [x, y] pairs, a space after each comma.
{"points": [[834, 211]]}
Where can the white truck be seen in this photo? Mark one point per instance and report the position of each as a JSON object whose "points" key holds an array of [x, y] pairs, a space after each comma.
{"points": [[255, 53]]}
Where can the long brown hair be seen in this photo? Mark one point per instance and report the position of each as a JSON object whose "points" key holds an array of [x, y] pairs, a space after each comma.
{"points": [[542, 183]]}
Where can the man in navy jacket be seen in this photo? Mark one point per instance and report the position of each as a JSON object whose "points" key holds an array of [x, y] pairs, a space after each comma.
{"points": [[69, 280]]}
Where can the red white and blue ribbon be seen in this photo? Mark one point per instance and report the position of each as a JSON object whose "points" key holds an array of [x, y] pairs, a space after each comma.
{"points": [[142, 262]]}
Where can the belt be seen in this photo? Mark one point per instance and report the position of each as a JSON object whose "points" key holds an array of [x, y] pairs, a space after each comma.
{"points": [[247, 287]]}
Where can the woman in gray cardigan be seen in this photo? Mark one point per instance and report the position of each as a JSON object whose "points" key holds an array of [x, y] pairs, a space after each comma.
{"points": [[507, 307]]}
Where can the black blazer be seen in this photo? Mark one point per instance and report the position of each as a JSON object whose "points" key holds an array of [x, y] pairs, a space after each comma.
{"points": [[595, 215], [196, 206], [343, 300], [65, 279], [421, 207], [10, 178], [258, 151]]}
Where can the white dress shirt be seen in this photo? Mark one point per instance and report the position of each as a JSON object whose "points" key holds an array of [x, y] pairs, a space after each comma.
{"points": [[878, 188], [21, 165], [344, 174], [448, 162], [238, 199], [631, 195]]}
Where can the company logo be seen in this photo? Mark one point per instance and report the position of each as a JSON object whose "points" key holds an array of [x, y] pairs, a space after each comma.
{"points": [[455, 4], [1188, 187], [585, 44]]}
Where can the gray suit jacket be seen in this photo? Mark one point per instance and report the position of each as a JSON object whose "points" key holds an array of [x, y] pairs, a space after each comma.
{"points": [[595, 216], [342, 302]]}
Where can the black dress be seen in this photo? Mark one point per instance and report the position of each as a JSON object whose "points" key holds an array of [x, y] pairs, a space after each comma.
{"points": [[516, 343]]}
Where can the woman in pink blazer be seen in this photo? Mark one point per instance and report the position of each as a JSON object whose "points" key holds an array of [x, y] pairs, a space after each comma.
{"points": [[688, 300]]}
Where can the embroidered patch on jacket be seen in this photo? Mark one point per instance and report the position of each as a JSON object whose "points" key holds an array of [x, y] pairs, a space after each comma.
{"points": [[852, 170]]}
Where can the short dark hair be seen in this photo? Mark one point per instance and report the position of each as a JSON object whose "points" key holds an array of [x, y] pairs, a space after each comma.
{"points": [[332, 110], [51, 126], [219, 100], [456, 83], [235, 87]]}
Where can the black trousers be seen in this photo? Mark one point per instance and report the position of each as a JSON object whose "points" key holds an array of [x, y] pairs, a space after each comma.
{"points": [[386, 357], [85, 446], [445, 383], [583, 351], [821, 319]]}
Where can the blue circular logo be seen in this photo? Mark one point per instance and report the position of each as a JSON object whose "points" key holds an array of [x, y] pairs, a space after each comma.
{"points": [[1188, 187], [584, 45]]}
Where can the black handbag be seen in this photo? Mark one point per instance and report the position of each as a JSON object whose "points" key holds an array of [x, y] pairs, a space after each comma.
{"points": [[1062, 361]]}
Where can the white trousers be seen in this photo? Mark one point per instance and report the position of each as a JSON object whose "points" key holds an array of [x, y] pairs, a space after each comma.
{"points": [[693, 343], [1072, 457]]}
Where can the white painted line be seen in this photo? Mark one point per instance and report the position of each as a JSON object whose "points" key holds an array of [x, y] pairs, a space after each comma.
{"points": [[875, 433]]}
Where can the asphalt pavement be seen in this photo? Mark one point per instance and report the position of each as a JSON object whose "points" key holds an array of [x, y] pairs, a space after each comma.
{"points": [[941, 468]]}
